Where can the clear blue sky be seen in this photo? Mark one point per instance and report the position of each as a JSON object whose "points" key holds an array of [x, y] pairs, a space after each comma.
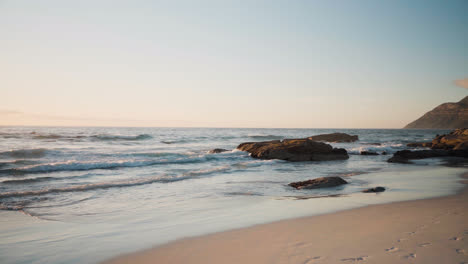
{"points": [[337, 64]]}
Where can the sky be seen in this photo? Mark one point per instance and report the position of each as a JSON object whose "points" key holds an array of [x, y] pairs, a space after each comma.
{"points": [[291, 64]]}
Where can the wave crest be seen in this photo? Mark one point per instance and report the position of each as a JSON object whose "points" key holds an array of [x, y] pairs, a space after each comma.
{"points": [[389, 148], [115, 184], [83, 166], [121, 137], [261, 136], [24, 153]]}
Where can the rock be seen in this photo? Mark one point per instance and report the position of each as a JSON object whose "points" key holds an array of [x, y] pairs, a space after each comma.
{"points": [[324, 182], [448, 115], [384, 153], [461, 146], [452, 140], [374, 144], [374, 190], [294, 150], [419, 145], [454, 144], [404, 156], [369, 153], [334, 137], [217, 150]]}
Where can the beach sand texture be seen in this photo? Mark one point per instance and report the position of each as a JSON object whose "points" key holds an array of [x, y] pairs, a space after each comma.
{"points": [[422, 231]]}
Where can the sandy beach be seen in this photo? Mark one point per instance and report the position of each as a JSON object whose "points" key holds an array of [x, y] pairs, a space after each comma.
{"points": [[423, 231]]}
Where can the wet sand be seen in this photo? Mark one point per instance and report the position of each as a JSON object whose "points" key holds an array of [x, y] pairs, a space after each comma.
{"points": [[422, 231]]}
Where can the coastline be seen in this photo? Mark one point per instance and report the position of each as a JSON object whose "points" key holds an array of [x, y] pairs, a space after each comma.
{"points": [[433, 230]]}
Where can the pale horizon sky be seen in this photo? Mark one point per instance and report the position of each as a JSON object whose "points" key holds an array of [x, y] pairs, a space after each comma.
{"points": [[291, 64]]}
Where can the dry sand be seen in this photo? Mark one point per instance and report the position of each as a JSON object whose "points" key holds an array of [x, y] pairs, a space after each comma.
{"points": [[423, 231]]}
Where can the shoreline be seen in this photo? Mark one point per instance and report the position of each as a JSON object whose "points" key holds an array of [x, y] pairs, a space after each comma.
{"points": [[432, 230]]}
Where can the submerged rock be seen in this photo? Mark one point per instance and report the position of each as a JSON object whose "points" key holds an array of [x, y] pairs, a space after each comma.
{"points": [[294, 150], [369, 153], [334, 137], [324, 182], [217, 150], [374, 190]]}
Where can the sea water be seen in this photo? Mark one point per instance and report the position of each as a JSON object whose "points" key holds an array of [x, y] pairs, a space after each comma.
{"points": [[82, 195]]}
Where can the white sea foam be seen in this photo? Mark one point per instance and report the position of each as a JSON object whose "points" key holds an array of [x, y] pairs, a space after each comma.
{"points": [[389, 148]]}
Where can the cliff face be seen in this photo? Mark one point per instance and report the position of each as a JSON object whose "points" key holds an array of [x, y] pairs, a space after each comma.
{"points": [[448, 115]]}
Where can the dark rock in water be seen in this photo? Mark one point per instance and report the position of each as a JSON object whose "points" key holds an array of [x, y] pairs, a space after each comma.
{"points": [[324, 182], [404, 156], [374, 144], [334, 137], [384, 153], [294, 150], [217, 150], [457, 139], [454, 144], [448, 115], [374, 190], [369, 153], [419, 145]]}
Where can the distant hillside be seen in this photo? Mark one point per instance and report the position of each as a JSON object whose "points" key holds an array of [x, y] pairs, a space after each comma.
{"points": [[448, 115]]}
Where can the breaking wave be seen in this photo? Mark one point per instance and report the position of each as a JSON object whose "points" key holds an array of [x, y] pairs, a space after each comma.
{"points": [[388, 148], [4, 164], [41, 179], [103, 137], [25, 153], [174, 141], [48, 136], [121, 137], [260, 136], [115, 184], [84, 166]]}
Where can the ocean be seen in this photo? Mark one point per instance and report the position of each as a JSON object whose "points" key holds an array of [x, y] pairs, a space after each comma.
{"points": [[85, 194]]}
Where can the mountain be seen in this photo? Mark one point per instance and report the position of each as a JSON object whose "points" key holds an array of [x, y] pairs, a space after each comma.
{"points": [[448, 115]]}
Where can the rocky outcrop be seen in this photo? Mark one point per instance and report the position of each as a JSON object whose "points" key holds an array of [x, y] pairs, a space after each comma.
{"points": [[374, 190], [454, 144], [334, 137], [294, 150], [404, 156], [217, 150], [324, 182], [448, 115], [457, 139]]}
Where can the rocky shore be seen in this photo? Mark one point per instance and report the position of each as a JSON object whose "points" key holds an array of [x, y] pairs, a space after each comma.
{"points": [[454, 144]]}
